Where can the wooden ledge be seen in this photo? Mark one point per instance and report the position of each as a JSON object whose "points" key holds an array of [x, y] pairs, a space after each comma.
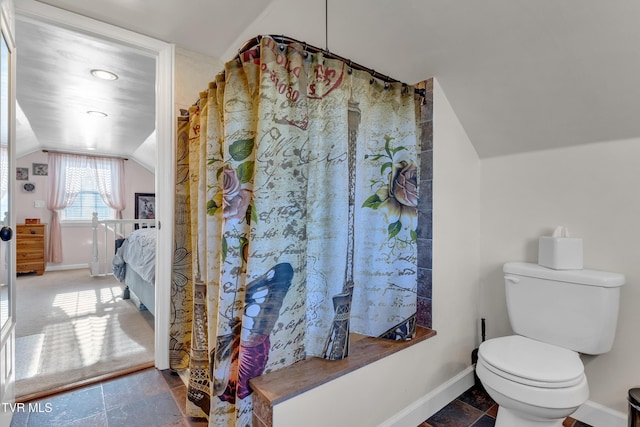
{"points": [[276, 387]]}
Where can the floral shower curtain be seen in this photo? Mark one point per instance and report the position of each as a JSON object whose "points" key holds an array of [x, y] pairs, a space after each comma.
{"points": [[298, 183]]}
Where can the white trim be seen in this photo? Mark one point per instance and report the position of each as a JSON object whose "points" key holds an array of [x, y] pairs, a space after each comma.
{"points": [[165, 176], [81, 223], [431, 403], [8, 328], [598, 415], [77, 223], [31, 10], [66, 267], [591, 413], [165, 208]]}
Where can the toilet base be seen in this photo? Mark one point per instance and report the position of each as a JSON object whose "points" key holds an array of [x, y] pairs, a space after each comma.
{"points": [[508, 418]]}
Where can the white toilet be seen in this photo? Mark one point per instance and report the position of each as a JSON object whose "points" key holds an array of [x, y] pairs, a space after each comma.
{"points": [[536, 376]]}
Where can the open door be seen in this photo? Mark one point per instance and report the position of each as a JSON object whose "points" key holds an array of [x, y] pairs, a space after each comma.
{"points": [[165, 156], [7, 223]]}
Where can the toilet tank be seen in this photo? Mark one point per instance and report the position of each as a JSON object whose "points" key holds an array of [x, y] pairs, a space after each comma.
{"points": [[574, 309]]}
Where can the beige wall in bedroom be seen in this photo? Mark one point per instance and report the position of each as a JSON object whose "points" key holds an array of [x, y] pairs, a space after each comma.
{"points": [[76, 244]]}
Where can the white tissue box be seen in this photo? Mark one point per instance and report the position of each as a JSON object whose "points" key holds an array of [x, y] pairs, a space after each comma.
{"points": [[560, 253]]}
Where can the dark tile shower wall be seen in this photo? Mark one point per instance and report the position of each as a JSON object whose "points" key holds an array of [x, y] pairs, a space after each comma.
{"points": [[425, 207]]}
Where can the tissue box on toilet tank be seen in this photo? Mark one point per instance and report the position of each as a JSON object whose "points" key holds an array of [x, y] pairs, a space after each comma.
{"points": [[560, 253]]}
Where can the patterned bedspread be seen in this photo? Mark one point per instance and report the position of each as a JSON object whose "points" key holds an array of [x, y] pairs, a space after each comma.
{"points": [[138, 251]]}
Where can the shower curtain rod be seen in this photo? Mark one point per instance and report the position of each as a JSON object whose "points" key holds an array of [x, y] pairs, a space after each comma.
{"points": [[77, 153], [250, 44]]}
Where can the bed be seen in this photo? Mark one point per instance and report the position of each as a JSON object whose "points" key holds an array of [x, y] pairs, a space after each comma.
{"points": [[134, 264], [126, 249]]}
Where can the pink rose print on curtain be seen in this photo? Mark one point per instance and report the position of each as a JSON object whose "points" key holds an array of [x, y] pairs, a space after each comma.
{"points": [[232, 196], [235, 198], [403, 184], [396, 193]]}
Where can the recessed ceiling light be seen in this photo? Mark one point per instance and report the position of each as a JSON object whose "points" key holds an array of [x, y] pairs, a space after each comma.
{"points": [[104, 74], [97, 113]]}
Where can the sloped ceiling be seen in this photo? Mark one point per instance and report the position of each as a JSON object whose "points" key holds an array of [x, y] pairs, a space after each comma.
{"points": [[55, 90], [521, 75]]}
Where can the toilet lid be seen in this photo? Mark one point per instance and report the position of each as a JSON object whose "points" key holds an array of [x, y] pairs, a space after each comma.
{"points": [[532, 362]]}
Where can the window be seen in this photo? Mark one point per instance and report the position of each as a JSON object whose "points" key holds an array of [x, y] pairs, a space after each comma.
{"points": [[88, 199]]}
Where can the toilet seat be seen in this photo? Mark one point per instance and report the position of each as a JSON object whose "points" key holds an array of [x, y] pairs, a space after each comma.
{"points": [[532, 363]]}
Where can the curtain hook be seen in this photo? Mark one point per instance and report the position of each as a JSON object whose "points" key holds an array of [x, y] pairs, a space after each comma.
{"points": [[304, 50], [373, 76], [387, 85], [350, 70]]}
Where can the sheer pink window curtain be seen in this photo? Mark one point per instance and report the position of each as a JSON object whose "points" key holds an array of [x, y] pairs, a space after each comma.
{"points": [[65, 178], [110, 182]]}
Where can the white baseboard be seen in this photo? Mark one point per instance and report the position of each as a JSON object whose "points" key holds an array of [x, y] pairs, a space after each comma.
{"points": [[598, 415], [592, 413], [431, 403], [66, 267]]}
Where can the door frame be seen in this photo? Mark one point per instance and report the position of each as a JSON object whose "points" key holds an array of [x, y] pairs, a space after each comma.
{"points": [[7, 330], [165, 155]]}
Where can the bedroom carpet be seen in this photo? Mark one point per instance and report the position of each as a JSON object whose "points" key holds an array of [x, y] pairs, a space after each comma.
{"points": [[71, 327]]}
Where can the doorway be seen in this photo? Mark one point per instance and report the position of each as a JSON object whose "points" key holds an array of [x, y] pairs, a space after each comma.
{"points": [[164, 130]]}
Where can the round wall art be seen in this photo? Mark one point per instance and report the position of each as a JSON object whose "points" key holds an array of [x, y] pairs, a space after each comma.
{"points": [[29, 187]]}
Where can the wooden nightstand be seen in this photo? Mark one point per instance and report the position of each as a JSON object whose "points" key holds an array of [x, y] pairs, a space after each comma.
{"points": [[30, 248]]}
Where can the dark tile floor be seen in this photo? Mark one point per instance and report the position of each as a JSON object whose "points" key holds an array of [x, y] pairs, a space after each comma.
{"points": [[152, 398], [474, 408], [148, 398]]}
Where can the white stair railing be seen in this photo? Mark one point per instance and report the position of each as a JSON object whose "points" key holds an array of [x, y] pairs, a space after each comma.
{"points": [[105, 233]]}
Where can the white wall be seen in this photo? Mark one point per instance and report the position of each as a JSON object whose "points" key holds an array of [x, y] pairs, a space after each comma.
{"points": [[373, 394], [594, 191], [193, 72], [76, 240]]}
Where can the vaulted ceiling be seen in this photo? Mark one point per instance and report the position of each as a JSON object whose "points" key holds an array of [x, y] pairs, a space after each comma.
{"points": [[60, 100], [520, 75]]}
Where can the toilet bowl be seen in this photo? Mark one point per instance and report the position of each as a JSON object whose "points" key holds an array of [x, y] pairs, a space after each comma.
{"points": [[534, 383], [536, 375]]}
